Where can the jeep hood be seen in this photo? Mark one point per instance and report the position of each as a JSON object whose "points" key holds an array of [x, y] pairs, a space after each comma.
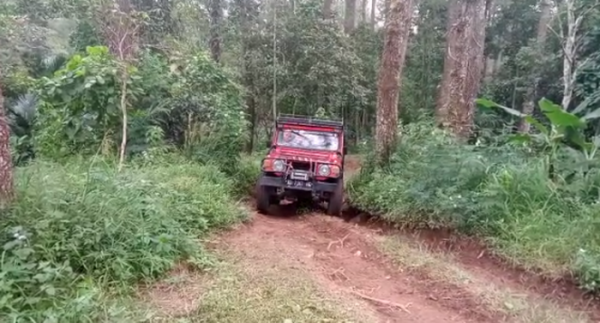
{"points": [[307, 155]]}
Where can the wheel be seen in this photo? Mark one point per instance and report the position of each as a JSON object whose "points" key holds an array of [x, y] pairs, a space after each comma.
{"points": [[263, 200], [336, 200]]}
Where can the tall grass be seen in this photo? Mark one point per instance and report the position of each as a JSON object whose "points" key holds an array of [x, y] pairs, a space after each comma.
{"points": [[78, 230], [502, 194]]}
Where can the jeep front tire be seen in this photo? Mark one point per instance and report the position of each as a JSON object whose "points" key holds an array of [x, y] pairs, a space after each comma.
{"points": [[336, 200], [263, 200]]}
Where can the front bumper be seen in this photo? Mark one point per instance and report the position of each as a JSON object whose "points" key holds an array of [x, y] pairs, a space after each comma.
{"points": [[280, 182]]}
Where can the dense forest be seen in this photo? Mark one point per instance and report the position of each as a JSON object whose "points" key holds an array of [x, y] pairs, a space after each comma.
{"points": [[122, 123]]}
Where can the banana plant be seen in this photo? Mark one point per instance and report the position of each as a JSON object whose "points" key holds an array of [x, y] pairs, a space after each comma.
{"points": [[565, 129]]}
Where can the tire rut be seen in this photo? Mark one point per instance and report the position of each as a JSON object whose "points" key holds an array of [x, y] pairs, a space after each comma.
{"points": [[342, 258]]}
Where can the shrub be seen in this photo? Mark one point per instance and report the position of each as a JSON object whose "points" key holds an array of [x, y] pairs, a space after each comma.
{"points": [[502, 194], [77, 226], [247, 174]]}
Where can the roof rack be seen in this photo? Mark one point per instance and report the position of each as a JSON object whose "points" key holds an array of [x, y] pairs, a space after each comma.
{"points": [[308, 120]]}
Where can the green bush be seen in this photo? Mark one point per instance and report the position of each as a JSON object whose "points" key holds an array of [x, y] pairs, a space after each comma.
{"points": [[501, 194], [78, 226], [247, 173]]}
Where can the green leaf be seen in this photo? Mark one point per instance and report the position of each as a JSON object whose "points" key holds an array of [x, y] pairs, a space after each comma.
{"points": [[576, 137], [583, 104], [549, 106], [520, 138], [50, 290], [558, 116], [592, 115], [512, 111], [11, 244], [23, 253], [538, 125], [488, 104]]}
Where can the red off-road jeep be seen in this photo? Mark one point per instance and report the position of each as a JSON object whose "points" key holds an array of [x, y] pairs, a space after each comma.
{"points": [[305, 163]]}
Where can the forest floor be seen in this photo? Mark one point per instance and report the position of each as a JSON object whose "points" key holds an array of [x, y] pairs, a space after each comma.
{"points": [[304, 266]]}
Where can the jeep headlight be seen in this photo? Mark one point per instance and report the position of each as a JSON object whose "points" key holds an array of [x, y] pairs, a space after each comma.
{"points": [[278, 165], [324, 170]]}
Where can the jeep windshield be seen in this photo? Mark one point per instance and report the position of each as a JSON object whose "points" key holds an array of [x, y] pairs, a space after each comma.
{"points": [[308, 139]]}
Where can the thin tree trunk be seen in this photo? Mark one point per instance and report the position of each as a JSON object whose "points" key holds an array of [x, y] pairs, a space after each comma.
{"points": [[6, 167], [397, 28], [216, 15], [248, 15], [363, 11], [328, 9], [123, 148], [373, 8], [542, 31], [569, 54], [475, 69], [386, 10], [350, 16], [488, 75], [251, 102]]}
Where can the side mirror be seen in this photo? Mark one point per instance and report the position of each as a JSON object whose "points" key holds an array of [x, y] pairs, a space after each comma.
{"points": [[268, 144], [345, 151]]}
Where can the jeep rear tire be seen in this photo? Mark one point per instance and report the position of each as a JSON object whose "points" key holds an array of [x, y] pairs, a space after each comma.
{"points": [[336, 200], [263, 200]]}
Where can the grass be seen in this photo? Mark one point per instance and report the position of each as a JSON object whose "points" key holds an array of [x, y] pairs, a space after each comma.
{"points": [[514, 306], [500, 193], [81, 236], [236, 290]]}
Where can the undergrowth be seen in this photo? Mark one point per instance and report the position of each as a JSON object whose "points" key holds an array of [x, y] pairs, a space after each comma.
{"points": [[502, 194], [80, 235]]}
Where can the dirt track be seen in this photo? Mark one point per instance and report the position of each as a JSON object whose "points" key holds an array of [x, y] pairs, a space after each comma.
{"points": [[375, 276], [341, 258]]}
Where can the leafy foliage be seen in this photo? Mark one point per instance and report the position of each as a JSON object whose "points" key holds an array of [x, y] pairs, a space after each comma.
{"points": [[501, 193], [80, 104], [79, 225]]}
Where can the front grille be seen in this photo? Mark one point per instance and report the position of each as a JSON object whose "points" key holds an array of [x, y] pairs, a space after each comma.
{"points": [[301, 165]]}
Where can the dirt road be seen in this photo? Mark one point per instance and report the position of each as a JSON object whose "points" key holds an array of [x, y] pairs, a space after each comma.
{"points": [[343, 260], [304, 266]]}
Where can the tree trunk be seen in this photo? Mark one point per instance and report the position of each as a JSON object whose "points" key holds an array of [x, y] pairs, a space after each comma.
{"points": [[328, 9], [350, 16], [363, 11], [569, 55], [386, 9], [373, 8], [463, 65], [542, 31], [397, 28], [215, 8], [545, 17], [488, 75], [6, 175], [123, 147], [475, 67], [247, 17]]}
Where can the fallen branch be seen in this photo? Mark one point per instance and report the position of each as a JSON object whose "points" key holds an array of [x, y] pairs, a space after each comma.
{"points": [[340, 272], [340, 241], [383, 302]]}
